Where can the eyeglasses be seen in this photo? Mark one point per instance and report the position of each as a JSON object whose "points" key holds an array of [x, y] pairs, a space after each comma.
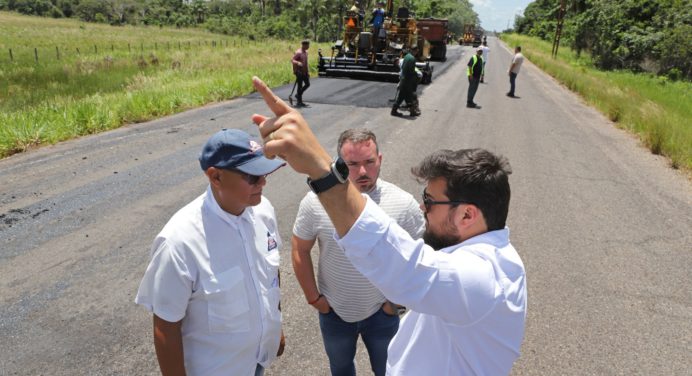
{"points": [[250, 179], [428, 202]]}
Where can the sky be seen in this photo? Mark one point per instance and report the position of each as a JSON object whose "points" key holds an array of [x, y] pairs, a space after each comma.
{"points": [[495, 14]]}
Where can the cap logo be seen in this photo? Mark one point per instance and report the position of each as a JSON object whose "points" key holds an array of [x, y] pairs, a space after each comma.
{"points": [[254, 146]]}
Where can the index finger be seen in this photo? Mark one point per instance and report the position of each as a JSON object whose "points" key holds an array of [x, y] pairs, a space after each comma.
{"points": [[278, 106]]}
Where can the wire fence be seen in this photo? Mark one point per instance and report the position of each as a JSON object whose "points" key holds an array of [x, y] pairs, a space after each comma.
{"points": [[49, 54]]}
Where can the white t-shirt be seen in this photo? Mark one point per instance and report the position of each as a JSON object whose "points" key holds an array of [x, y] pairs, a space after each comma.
{"points": [[486, 51], [218, 273], [350, 294], [517, 60], [467, 302]]}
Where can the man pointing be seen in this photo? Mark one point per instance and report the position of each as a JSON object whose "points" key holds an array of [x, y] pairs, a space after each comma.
{"points": [[465, 284]]}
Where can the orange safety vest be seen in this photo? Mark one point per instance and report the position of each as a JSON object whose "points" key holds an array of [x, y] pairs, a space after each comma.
{"points": [[351, 22]]}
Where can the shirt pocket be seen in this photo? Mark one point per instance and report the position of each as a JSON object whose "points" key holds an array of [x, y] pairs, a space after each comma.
{"points": [[227, 302]]}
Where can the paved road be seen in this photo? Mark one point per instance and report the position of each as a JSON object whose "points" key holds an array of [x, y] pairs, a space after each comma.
{"points": [[602, 225]]}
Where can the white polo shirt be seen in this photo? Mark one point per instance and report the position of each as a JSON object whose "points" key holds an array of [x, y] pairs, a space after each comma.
{"points": [[218, 273], [467, 302]]}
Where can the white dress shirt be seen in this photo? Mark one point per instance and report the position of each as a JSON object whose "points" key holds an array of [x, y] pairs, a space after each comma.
{"points": [[467, 302], [218, 273]]}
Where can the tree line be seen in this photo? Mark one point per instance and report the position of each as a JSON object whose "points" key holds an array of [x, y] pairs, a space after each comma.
{"points": [[639, 35], [284, 19]]}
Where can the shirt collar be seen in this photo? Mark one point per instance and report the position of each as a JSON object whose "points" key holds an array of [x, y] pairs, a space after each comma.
{"points": [[497, 238], [233, 220]]}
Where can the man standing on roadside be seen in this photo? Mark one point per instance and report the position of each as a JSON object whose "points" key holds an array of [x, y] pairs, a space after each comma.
{"points": [[474, 71], [300, 69], [349, 306], [486, 52], [213, 280], [408, 84], [465, 284], [517, 60]]}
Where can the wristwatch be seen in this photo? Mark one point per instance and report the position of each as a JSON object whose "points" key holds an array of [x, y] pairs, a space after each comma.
{"points": [[338, 174]]}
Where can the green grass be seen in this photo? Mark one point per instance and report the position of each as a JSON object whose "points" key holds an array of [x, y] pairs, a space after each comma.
{"points": [[163, 71], [657, 110]]}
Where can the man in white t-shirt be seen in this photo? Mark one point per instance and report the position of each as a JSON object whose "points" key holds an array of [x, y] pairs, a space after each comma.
{"points": [[486, 52], [517, 60], [349, 305], [213, 280], [464, 283]]}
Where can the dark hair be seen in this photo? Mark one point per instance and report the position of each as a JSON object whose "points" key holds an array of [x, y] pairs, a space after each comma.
{"points": [[518, 48], [475, 176], [356, 135]]}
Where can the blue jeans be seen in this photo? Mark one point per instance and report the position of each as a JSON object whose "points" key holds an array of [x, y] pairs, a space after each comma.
{"points": [[512, 79], [340, 339]]}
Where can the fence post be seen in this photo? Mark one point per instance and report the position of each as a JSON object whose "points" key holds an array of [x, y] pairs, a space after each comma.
{"points": [[77, 50], [178, 45], [11, 57], [156, 46], [96, 50], [36, 54], [112, 49], [57, 52], [128, 48], [141, 47]]}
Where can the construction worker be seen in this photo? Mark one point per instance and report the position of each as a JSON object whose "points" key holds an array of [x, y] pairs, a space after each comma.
{"points": [[486, 52], [378, 20], [408, 83], [300, 69], [474, 71]]}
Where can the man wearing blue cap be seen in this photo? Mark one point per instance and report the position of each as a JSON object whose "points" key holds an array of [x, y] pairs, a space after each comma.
{"points": [[213, 280]]}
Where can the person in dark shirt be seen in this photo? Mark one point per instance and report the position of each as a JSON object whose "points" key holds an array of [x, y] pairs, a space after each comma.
{"points": [[408, 83], [474, 71], [300, 69]]}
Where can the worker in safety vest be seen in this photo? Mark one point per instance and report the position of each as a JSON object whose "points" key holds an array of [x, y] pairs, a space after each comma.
{"points": [[474, 71]]}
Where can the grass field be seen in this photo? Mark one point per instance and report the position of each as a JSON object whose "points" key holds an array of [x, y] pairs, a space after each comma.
{"points": [[659, 111], [90, 77]]}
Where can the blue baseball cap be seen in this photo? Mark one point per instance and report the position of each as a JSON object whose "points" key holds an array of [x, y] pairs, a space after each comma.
{"points": [[233, 149]]}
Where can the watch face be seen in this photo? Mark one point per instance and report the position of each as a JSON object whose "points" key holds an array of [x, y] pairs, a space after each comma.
{"points": [[341, 168]]}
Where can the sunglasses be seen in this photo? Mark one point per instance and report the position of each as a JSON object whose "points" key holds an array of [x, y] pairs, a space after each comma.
{"points": [[250, 179], [428, 202]]}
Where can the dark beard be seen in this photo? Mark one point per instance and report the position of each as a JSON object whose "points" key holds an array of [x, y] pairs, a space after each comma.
{"points": [[438, 242]]}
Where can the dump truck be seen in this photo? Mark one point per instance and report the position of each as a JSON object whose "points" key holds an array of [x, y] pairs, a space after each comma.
{"points": [[361, 54], [436, 32], [477, 37]]}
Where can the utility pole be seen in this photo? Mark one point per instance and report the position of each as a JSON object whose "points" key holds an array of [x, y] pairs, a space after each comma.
{"points": [[558, 29]]}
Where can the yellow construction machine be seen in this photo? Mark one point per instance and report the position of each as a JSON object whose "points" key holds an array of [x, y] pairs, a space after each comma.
{"points": [[362, 54]]}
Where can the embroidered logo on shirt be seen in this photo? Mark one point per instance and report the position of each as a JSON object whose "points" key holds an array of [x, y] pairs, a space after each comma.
{"points": [[271, 243]]}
